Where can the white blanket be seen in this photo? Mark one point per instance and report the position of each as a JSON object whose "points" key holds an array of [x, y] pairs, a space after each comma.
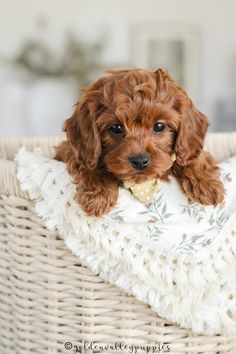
{"points": [[179, 258]]}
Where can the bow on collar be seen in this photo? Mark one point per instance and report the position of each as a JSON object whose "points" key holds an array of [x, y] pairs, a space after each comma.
{"points": [[144, 191]]}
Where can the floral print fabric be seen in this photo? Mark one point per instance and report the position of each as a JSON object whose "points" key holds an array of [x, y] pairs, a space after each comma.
{"points": [[171, 220]]}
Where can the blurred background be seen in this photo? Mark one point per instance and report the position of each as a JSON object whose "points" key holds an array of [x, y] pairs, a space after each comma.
{"points": [[50, 49]]}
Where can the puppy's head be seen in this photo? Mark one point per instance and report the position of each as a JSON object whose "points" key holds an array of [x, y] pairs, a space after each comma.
{"points": [[132, 121]]}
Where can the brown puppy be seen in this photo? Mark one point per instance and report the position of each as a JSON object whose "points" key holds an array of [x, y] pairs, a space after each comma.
{"points": [[127, 126]]}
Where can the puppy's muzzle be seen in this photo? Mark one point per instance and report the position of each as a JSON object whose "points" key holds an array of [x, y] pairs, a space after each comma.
{"points": [[139, 162]]}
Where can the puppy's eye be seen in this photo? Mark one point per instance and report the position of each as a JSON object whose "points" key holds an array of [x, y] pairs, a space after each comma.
{"points": [[117, 129], [159, 127]]}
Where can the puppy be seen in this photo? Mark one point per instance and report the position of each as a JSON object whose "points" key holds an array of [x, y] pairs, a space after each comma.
{"points": [[127, 126]]}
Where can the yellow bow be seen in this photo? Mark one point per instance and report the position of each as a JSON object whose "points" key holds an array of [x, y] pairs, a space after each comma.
{"points": [[144, 191]]}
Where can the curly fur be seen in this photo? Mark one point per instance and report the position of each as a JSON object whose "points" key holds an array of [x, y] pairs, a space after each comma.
{"points": [[137, 99]]}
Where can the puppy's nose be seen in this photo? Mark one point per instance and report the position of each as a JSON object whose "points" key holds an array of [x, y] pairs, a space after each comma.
{"points": [[139, 161]]}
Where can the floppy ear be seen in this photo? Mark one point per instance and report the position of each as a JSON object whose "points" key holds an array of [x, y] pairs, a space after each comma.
{"points": [[83, 135], [193, 124], [191, 132]]}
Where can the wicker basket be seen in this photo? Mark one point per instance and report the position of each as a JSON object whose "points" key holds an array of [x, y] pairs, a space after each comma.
{"points": [[47, 298]]}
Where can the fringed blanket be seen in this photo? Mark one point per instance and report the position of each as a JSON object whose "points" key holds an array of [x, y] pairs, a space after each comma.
{"points": [[179, 258]]}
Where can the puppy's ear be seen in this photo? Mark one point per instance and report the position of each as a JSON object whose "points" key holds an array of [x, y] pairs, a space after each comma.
{"points": [[191, 132], [83, 135], [193, 124]]}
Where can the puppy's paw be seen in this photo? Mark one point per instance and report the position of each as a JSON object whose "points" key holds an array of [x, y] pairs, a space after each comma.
{"points": [[99, 202], [211, 193], [200, 180]]}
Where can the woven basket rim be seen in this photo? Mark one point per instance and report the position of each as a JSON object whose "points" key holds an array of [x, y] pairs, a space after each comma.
{"points": [[10, 146]]}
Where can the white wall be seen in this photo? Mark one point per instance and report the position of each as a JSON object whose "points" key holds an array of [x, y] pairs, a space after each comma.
{"points": [[113, 18]]}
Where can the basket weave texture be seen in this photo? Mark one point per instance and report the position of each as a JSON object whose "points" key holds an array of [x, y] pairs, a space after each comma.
{"points": [[47, 298]]}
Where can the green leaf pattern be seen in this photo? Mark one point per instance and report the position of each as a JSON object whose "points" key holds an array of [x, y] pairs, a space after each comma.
{"points": [[172, 219]]}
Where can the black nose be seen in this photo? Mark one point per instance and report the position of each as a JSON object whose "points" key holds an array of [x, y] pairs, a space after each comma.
{"points": [[139, 161]]}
